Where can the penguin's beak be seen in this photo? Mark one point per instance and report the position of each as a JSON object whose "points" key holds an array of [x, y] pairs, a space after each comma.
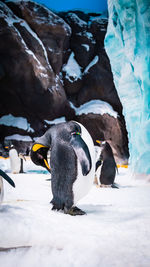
{"points": [[47, 165]]}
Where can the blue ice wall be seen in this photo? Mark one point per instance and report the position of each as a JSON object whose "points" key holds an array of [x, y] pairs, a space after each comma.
{"points": [[127, 44]]}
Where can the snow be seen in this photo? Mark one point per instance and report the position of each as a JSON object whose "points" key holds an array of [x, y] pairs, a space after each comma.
{"points": [[55, 121], [77, 20], [95, 107], [86, 47], [72, 69], [88, 35], [19, 122], [24, 23], [127, 44], [92, 63], [115, 232]]}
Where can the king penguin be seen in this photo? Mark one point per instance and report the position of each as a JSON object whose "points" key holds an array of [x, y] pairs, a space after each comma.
{"points": [[8, 179], [107, 164], [15, 162], [72, 163]]}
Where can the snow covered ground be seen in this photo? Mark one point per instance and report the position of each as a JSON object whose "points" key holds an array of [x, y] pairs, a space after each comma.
{"points": [[115, 231]]}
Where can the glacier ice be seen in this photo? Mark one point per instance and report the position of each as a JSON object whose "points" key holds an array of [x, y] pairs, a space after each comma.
{"points": [[127, 44]]}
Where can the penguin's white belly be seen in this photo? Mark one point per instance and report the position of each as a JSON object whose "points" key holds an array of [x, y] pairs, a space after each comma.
{"points": [[83, 184], [14, 161], [1, 190], [97, 174]]}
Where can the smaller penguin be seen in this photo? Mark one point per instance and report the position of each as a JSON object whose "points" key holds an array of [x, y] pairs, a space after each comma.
{"points": [[15, 163], [8, 179], [108, 165]]}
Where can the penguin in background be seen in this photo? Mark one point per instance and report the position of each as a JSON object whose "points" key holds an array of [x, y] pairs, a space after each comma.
{"points": [[72, 163], [16, 161], [8, 179], [107, 164]]}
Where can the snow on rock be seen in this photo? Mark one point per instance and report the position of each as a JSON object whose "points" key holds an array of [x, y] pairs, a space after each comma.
{"points": [[19, 122], [77, 20], [127, 44], [92, 63], [52, 18], [56, 121], [19, 137], [86, 47], [95, 107], [88, 35], [12, 20], [115, 231], [72, 69]]}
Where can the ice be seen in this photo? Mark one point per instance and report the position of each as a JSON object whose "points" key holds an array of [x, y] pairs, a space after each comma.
{"points": [[127, 44]]}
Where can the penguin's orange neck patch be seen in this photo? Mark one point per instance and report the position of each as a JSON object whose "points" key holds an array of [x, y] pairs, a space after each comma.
{"points": [[98, 141], [37, 146], [46, 163]]}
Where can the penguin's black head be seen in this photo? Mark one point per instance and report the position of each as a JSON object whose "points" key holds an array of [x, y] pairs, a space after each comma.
{"points": [[75, 128], [39, 155]]}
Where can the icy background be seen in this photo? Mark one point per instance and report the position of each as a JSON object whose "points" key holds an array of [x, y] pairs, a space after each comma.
{"points": [[127, 44], [115, 232]]}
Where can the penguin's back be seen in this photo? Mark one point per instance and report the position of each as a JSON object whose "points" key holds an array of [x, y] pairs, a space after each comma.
{"points": [[108, 172]]}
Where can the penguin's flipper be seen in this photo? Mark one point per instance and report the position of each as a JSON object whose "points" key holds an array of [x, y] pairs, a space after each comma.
{"points": [[7, 178], [98, 163], [82, 153]]}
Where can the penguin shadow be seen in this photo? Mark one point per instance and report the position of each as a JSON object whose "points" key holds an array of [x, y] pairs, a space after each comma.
{"points": [[8, 208], [94, 209], [126, 186]]}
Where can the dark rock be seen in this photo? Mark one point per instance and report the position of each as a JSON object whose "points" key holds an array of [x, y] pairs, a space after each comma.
{"points": [[106, 127], [36, 82], [50, 28], [27, 79]]}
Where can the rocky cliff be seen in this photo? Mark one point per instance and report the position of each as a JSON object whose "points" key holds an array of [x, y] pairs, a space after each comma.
{"points": [[51, 67]]}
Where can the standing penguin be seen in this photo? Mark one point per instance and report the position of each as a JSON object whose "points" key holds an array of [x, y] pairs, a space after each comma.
{"points": [[72, 163], [15, 163], [8, 179], [108, 165]]}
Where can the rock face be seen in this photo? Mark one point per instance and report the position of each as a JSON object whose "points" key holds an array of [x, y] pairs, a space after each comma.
{"points": [[51, 64]]}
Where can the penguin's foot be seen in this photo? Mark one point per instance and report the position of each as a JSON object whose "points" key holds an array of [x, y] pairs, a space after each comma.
{"points": [[103, 185], [74, 211]]}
